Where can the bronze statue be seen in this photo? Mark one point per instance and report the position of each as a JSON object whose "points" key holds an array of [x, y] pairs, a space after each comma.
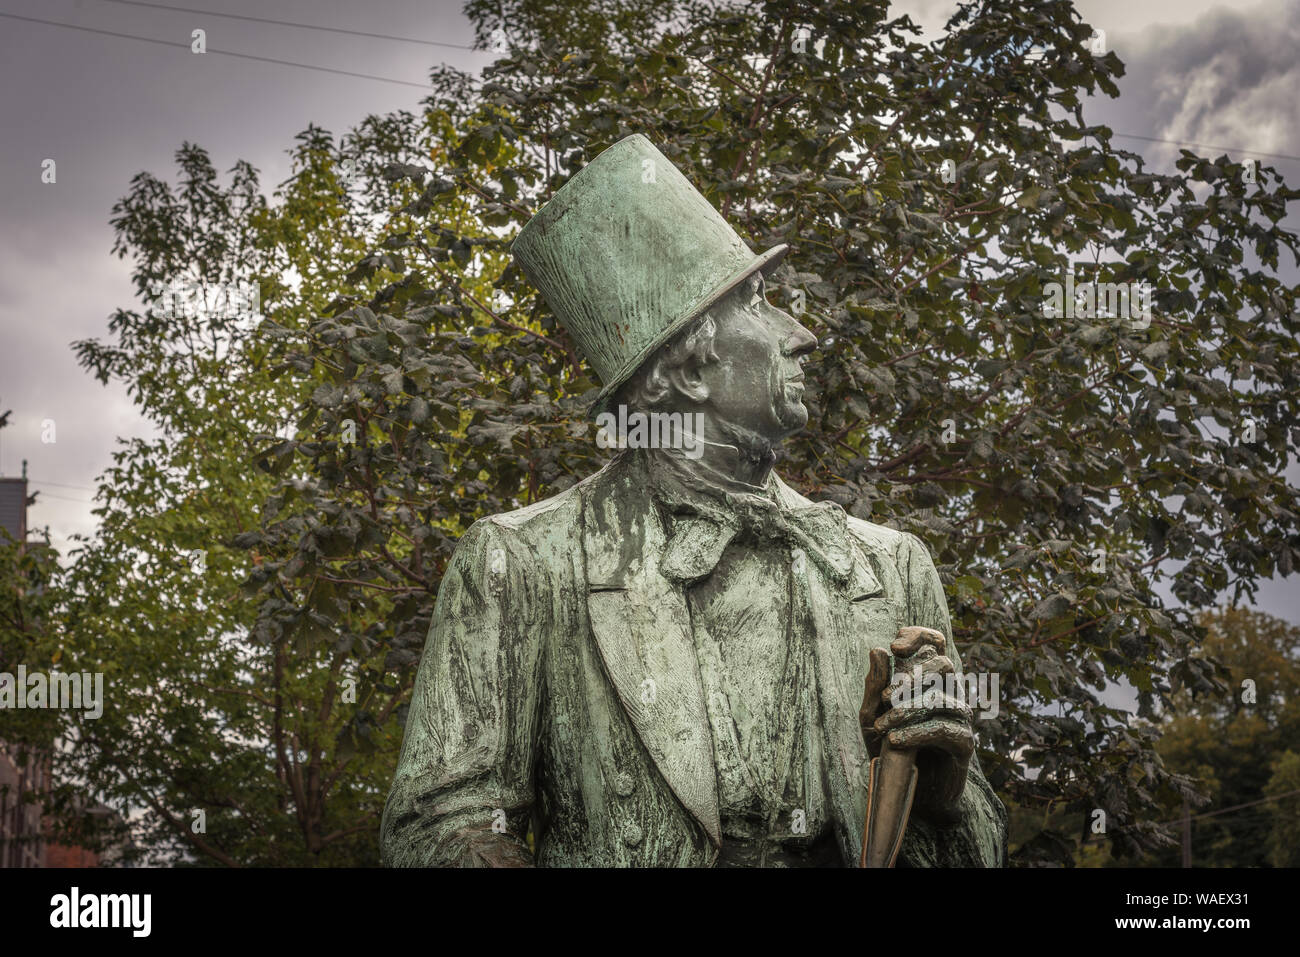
{"points": [[665, 664]]}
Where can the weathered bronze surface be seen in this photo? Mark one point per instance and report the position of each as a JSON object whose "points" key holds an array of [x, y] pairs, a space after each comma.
{"points": [[681, 660]]}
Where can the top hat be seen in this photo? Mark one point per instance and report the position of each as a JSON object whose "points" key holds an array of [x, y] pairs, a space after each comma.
{"points": [[626, 253]]}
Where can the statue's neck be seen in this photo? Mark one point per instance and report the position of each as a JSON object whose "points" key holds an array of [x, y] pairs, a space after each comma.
{"points": [[724, 456]]}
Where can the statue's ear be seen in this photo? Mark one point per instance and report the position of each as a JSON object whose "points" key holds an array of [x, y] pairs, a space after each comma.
{"points": [[688, 380]]}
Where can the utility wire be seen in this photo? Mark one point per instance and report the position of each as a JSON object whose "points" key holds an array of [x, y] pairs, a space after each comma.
{"points": [[242, 56], [459, 46], [1238, 807], [1235, 807], [63, 498], [1202, 146], [84, 488], [288, 23], [456, 46]]}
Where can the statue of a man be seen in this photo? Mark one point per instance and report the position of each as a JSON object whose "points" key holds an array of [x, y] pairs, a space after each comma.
{"points": [[665, 664]]}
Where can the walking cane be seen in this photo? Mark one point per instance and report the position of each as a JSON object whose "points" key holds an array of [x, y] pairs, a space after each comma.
{"points": [[891, 778], [891, 786]]}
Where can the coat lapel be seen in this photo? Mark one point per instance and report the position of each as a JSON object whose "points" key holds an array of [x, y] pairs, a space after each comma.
{"points": [[643, 630], [848, 617], [839, 678]]}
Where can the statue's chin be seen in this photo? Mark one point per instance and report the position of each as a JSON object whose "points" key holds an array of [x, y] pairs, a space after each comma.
{"points": [[794, 416], [781, 422]]}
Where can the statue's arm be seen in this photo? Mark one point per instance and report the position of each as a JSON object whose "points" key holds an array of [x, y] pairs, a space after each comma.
{"points": [[464, 784], [978, 836]]}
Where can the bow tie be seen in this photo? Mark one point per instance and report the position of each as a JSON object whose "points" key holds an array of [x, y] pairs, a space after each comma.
{"points": [[703, 526]]}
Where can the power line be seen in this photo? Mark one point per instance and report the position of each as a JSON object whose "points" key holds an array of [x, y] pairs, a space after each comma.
{"points": [[64, 498], [1238, 807], [456, 46], [84, 488], [288, 23], [1235, 807], [1202, 146], [242, 56]]}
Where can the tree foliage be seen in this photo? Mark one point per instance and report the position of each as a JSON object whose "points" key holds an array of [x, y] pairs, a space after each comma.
{"points": [[31, 583], [1240, 743], [428, 385], [223, 738]]}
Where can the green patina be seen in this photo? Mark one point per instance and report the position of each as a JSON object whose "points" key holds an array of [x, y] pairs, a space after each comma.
{"points": [[664, 665]]}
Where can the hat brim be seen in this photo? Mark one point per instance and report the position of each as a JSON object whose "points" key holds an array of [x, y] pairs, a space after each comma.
{"points": [[766, 262]]}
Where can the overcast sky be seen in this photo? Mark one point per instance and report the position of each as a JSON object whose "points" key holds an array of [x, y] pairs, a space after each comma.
{"points": [[105, 107]]}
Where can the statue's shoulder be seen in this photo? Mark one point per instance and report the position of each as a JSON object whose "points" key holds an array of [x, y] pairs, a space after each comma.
{"points": [[880, 539], [561, 514], [557, 509], [553, 521]]}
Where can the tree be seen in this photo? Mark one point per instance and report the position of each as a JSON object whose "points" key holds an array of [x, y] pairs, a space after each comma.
{"points": [[1284, 788], [30, 581], [222, 737], [1239, 742], [1059, 466]]}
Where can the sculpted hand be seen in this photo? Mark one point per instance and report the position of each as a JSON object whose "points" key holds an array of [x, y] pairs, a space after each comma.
{"points": [[940, 733]]}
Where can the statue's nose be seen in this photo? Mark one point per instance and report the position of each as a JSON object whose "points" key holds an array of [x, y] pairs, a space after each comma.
{"points": [[800, 341]]}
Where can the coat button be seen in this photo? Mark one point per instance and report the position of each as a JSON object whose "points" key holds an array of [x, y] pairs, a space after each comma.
{"points": [[624, 784], [632, 835]]}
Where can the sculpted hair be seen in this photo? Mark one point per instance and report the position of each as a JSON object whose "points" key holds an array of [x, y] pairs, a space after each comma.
{"points": [[652, 384]]}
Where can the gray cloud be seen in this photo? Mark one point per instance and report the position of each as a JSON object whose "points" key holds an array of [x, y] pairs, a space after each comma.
{"points": [[1225, 79], [105, 108]]}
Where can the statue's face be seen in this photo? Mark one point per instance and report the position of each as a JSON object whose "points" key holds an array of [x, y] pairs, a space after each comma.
{"points": [[757, 383]]}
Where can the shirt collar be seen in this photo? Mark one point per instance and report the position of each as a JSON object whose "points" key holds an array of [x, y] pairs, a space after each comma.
{"points": [[705, 511]]}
